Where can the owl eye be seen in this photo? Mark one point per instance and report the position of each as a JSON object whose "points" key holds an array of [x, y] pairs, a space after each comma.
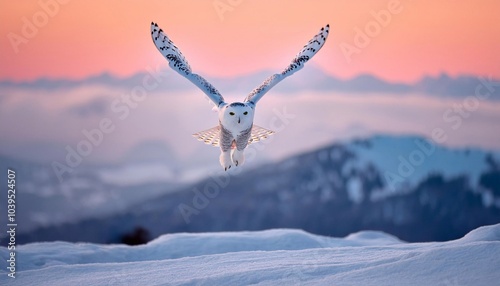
{"points": [[245, 113], [231, 113]]}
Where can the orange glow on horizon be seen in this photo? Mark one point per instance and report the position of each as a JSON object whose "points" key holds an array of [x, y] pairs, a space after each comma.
{"points": [[84, 38]]}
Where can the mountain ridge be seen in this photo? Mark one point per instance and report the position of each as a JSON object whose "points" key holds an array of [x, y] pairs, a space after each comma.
{"points": [[441, 85]]}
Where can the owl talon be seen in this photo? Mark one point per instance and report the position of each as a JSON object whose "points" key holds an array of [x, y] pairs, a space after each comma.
{"points": [[238, 157], [225, 160]]}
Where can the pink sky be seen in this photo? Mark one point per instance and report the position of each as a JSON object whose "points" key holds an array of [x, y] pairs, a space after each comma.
{"points": [[78, 39]]}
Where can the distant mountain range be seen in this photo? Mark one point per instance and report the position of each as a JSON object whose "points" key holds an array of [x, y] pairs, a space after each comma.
{"points": [[313, 79], [406, 186], [91, 191]]}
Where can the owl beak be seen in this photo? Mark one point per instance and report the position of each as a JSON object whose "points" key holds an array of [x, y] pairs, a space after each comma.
{"points": [[239, 119]]}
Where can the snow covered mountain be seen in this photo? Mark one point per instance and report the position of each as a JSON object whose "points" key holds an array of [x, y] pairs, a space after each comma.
{"points": [[272, 257], [406, 186]]}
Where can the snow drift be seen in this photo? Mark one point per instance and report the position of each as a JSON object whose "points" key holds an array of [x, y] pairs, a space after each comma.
{"points": [[269, 257]]}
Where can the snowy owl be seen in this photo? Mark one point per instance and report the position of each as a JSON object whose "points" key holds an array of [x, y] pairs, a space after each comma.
{"points": [[236, 129]]}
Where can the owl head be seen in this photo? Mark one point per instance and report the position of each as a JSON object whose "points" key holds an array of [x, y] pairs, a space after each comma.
{"points": [[237, 114]]}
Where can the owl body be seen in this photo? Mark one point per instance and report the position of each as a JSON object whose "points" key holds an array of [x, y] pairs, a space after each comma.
{"points": [[236, 129], [236, 122]]}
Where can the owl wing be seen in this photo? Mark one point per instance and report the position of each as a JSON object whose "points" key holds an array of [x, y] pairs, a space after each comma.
{"points": [[212, 136], [307, 52], [178, 63], [259, 134]]}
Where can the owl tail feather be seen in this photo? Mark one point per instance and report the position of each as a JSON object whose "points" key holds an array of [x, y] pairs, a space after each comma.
{"points": [[211, 136]]}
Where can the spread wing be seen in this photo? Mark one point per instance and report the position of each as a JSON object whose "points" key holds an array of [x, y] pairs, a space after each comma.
{"points": [[178, 63], [212, 135], [309, 50]]}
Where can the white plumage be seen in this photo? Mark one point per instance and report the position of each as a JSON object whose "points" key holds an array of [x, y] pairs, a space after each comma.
{"points": [[236, 129]]}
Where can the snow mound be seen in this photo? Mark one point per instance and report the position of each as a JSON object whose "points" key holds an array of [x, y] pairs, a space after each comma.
{"points": [[195, 244], [280, 256], [373, 238], [484, 233], [174, 246]]}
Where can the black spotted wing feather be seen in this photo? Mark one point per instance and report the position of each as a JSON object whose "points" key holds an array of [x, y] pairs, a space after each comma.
{"points": [[178, 63], [307, 52]]}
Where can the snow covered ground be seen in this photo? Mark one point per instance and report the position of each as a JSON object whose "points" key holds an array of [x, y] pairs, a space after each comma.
{"points": [[272, 257]]}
